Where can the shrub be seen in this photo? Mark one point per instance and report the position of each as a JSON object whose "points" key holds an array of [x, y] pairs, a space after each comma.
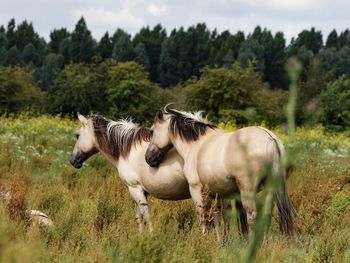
{"points": [[335, 104]]}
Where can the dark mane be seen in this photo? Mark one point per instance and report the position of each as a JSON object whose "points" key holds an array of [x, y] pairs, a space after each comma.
{"points": [[187, 126], [115, 138]]}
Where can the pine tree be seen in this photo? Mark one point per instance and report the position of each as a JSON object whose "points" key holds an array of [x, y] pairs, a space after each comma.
{"points": [[105, 46], [56, 38], [332, 39], [11, 33], [123, 49], [141, 55], [82, 45], [25, 35], [153, 40]]}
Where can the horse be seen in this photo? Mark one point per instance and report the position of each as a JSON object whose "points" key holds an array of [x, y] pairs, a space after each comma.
{"points": [[124, 144], [227, 163]]}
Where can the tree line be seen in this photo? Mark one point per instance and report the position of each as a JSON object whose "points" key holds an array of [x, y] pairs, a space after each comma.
{"points": [[228, 75]]}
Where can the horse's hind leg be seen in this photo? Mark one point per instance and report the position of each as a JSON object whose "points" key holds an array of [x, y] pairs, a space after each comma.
{"points": [[241, 217], [249, 205]]}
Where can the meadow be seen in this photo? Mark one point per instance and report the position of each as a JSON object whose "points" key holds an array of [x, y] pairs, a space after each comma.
{"points": [[93, 213]]}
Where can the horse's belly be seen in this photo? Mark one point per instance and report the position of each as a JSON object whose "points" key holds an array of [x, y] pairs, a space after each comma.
{"points": [[219, 184], [167, 187]]}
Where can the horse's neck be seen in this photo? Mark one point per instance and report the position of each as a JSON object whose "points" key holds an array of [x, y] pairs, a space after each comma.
{"points": [[112, 159], [187, 149]]}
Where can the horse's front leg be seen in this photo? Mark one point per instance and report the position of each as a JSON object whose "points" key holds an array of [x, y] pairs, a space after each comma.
{"points": [[196, 194], [142, 213]]}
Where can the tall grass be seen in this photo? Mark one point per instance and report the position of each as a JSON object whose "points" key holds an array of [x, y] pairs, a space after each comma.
{"points": [[94, 214]]}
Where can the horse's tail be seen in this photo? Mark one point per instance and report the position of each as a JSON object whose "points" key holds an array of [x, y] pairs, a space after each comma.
{"points": [[284, 205]]}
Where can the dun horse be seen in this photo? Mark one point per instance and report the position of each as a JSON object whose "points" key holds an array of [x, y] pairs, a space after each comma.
{"points": [[227, 163], [124, 145]]}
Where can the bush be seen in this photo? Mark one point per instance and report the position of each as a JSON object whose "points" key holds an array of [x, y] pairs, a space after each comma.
{"points": [[77, 88], [335, 104], [236, 94], [18, 91], [131, 93]]}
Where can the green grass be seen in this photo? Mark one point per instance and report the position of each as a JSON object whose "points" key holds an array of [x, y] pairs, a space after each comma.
{"points": [[94, 214]]}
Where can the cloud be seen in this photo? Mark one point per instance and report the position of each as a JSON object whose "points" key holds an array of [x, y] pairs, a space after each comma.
{"points": [[101, 17], [157, 10], [289, 16]]}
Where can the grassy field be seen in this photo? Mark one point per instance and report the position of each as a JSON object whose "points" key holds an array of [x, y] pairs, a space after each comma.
{"points": [[94, 214]]}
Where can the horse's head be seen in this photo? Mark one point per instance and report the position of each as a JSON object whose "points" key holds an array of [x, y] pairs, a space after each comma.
{"points": [[85, 145], [160, 143], [171, 125]]}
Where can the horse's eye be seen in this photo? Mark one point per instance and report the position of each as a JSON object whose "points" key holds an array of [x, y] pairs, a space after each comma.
{"points": [[77, 136]]}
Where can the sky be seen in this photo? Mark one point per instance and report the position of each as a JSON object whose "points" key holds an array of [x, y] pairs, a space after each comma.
{"points": [[288, 16]]}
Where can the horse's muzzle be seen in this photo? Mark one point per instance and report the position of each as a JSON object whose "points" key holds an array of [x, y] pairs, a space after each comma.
{"points": [[76, 162], [153, 159], [154, 156]]}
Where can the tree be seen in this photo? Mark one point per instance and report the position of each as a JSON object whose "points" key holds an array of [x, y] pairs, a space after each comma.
{"points": [[225, 48], [308, 110], [14, 56], [131, 93], [3, 41], [30, 55], [332, 40], [335, 104], [123, 49], [251, 51], [199, 48], [174, 64], [275, 59], [344, 38], [77, 88], [26, 35], [225, 94], [65, 49], [153, 40], [336, 60], [141, 55], [82, 43], [3, 49], [18, 92], [310, 39], [105, 46], [11, 33], [56, 38], [46, 74]]}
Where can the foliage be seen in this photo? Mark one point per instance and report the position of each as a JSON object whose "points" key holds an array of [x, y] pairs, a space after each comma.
{"points": [[131, 93], [234, 94], [82, 44], [18, 92], [335, 101], [77, 88]]}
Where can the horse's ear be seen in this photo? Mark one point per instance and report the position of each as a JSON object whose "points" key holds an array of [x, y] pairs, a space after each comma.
{"points": [[82, 119], [160, 115]]}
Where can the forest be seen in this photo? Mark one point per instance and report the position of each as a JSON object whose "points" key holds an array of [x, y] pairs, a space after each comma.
{"points": [[231, 76]]}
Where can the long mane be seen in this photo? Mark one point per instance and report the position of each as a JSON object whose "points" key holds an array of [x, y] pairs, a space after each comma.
{"points": [[116, 138], [189, 126]]}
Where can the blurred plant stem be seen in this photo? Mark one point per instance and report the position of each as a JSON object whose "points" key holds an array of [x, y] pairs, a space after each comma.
{"points": [[293, 68]]}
